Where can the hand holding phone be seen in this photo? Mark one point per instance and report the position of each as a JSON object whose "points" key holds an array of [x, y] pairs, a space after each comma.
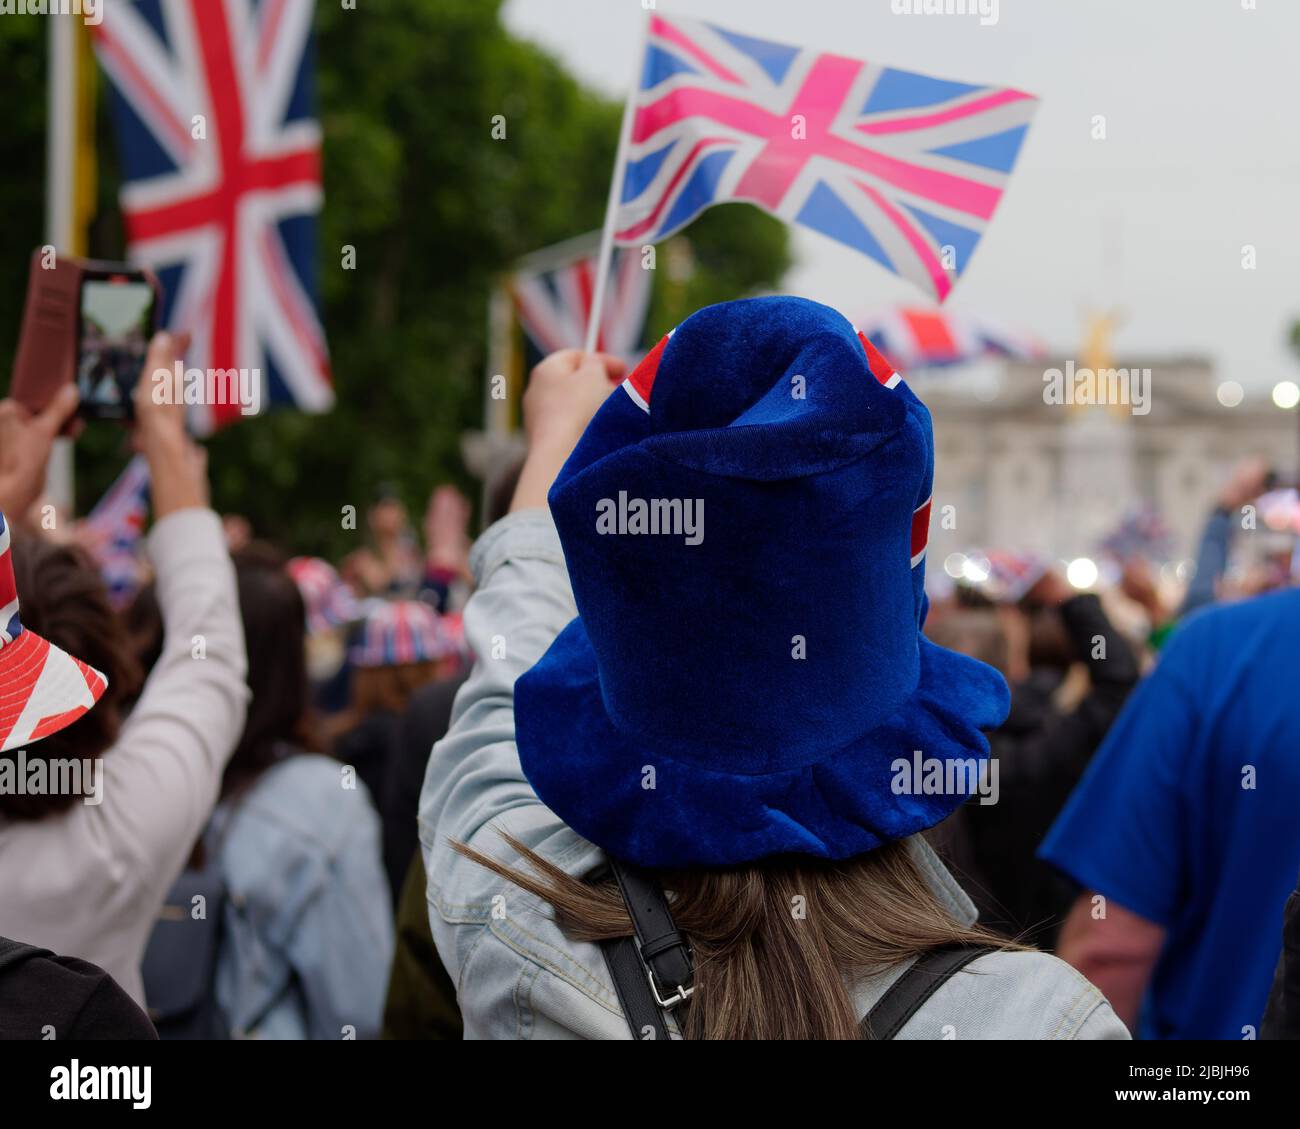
{"points": [[177, 466], [86, 323]]}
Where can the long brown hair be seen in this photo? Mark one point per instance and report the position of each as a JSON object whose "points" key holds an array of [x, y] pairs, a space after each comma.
{"points": [[275, 627], [383, 689], [777, 943]]}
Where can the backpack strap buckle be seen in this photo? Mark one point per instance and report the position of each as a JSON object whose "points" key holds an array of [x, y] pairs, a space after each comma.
{"points": [[684, 992], [662, 953]]}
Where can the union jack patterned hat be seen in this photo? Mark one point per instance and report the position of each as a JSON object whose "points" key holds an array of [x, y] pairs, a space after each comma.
{"points": [[398, 632], [745, 524], [42, 689], [328, 600]]}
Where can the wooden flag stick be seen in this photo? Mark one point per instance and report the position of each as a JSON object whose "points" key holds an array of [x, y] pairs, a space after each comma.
{"points": [[611, 206]]}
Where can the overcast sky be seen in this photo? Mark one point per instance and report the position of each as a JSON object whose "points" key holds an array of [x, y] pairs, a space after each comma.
{"points": [[1202, 104]]}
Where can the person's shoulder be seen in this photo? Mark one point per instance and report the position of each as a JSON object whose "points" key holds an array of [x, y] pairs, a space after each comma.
{"points": [[1279, 610], [1220, 638], [1016, 995], [309, 798], [291, 831], [77, 1000], [302, 770], [519, 975]]}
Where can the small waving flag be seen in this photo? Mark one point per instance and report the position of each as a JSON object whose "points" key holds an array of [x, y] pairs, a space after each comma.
{"points": [[905, 168], [917, 338], [1003, 575], [112, 531], [1142, 532], [553, 291]]}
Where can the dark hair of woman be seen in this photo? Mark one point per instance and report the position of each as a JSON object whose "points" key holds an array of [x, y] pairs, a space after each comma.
{"points": [[274, 629]]}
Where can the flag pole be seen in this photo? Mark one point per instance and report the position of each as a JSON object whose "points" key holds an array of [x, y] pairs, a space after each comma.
{"points": [[611, 207], [60, 206]]}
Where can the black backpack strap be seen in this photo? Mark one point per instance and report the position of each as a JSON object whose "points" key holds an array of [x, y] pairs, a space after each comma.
{"points": [[643, 1015], [182, 955], [908, 994], [653, 973]]}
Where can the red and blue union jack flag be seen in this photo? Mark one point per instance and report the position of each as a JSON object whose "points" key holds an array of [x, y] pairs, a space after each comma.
{"points": [[212, 102], [915, 338], [905, 168], [113, 530], [553, 297]]}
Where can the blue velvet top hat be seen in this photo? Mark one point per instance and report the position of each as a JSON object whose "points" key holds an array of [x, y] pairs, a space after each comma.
{"points": [[744, 524]]}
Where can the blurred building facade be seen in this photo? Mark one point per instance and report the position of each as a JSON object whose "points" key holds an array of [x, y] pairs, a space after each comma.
{"points": [[1024, 473]]}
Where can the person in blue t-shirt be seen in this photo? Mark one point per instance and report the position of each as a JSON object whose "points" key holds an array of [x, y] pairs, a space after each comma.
{"points": [[1187, 824]]}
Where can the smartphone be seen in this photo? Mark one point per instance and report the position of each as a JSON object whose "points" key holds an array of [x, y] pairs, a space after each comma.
{"points": [[117, 312], [88, 322]]}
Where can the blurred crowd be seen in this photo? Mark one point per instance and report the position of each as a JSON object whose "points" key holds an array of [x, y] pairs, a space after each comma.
{"points": [[1148, 746]]}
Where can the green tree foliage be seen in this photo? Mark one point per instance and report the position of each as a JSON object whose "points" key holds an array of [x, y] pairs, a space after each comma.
{"points": [[436, 209]]}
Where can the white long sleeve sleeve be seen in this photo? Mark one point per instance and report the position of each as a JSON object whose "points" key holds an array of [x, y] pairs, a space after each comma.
{"points": [[88, 882]]}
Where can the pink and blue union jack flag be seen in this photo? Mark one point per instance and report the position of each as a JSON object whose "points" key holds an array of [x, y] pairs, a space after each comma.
{"points": [[212, 102], [905, 168]]}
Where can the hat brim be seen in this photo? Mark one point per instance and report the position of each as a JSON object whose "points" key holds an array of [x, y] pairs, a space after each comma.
{"points": [[43, 689], [627, 796]]}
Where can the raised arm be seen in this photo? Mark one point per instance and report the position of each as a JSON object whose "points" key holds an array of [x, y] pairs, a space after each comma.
{"points": [[162, 777], [522, 602]]}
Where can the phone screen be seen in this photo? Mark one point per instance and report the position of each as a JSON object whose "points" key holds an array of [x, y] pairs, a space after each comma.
{"points": [[115, 325]]}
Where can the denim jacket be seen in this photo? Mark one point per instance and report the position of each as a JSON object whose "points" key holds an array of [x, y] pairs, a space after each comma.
{"points": [[308, 925], [517, 975]]}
